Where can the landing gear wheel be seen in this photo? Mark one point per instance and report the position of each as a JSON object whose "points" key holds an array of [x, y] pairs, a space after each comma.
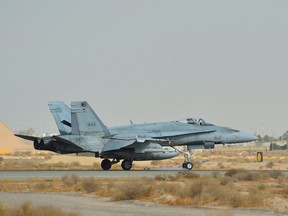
{"points": [[106, 164], [126, 164], [187, 165]]}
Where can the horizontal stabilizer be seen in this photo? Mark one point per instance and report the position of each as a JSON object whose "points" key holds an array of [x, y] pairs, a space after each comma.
{"points": [[31, 138], [62, 140]]}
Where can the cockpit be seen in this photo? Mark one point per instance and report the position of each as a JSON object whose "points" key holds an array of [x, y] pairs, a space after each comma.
{"points": [[194, 121]]}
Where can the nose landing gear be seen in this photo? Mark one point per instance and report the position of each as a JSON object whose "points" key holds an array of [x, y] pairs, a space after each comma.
{"points": [[187, 158], [187, 165]]}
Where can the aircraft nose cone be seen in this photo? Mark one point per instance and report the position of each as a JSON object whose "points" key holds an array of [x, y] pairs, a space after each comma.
{"points": [[246, 137]]}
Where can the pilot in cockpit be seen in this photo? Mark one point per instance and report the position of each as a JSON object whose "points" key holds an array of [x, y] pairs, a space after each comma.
{"points": [[191, 121], [194, 121]]}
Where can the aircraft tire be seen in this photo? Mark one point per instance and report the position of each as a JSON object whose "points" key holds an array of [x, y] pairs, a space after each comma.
{"points": [[106, 164], [184, 165], [187, 165], [126, 164]]}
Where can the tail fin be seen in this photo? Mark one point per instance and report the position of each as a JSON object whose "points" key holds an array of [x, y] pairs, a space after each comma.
{"points": [[85, 120], [62, 115]]}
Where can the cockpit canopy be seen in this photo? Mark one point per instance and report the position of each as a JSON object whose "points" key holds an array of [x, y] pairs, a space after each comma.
{"points": [[194, 121]]}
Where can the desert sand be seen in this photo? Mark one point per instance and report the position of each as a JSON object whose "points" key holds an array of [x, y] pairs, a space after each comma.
{"points": [[9, 144]]}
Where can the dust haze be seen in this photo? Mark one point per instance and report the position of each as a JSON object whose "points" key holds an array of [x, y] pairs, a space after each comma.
{"points": [[149, 61]]}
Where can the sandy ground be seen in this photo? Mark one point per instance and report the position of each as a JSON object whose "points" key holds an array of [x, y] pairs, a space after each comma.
{"points": [[218, 159], [10, 143], [87, 205]]}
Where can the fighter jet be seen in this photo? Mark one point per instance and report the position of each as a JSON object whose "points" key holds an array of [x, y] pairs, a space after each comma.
{"points": [[135, 142], [89, 134]]}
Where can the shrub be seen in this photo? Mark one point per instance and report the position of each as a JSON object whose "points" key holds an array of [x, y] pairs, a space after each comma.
{"points": [[284, 192], [89, 185], [245, 175], [232, 172], [131, 191], [26, 209], [155, 163], [96, 165], [60, 164], [70, 180], [188, 175], [220, 165], [75, 164], [196, 189], [261, 186], [236, 200], [276, 174], [270, 164], [3, 209], [216, 175], [41, 186], [225, 180], [165, 178]]}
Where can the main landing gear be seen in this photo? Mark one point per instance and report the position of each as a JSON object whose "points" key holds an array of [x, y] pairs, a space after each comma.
{"points": [[187, 158], [126, 164]]}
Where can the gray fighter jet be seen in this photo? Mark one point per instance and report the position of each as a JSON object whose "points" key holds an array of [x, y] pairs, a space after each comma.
{"points": [[89, 135], [85, 132]]}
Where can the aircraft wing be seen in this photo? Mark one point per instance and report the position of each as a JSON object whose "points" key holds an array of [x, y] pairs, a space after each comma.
{"points": [[168, 134], [115, 144], [157, 136], [120, 141]]}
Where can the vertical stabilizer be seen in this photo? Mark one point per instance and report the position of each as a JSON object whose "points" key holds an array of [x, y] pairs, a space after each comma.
{"points": [[62, 115], [85, 121]]}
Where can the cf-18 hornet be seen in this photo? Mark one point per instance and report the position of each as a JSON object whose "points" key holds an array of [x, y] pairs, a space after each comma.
{"points": [[82, 131]]}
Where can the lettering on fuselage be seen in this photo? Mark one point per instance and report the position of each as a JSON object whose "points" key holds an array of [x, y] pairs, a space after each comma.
{"points": [[91, 124]]}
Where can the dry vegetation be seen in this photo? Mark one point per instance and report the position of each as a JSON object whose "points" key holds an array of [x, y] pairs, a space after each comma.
{"points": [[27, 209], [237, 188], [42, 162], [220, 158]]}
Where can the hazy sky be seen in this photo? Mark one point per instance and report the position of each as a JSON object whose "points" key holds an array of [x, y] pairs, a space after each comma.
{"points": [[148, 61]]}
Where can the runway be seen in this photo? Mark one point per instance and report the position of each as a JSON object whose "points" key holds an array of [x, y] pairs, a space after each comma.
{"points": [[50, 174]]}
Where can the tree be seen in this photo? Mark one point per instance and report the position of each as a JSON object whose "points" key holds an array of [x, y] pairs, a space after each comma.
{"points": [[285, 136]]}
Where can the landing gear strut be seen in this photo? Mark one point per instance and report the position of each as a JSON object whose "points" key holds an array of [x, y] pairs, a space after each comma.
{"points": [[187, 158]]}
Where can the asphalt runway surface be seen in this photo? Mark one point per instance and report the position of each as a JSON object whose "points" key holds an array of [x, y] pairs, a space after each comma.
{"points": [[50, 174], [87, 205]]}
